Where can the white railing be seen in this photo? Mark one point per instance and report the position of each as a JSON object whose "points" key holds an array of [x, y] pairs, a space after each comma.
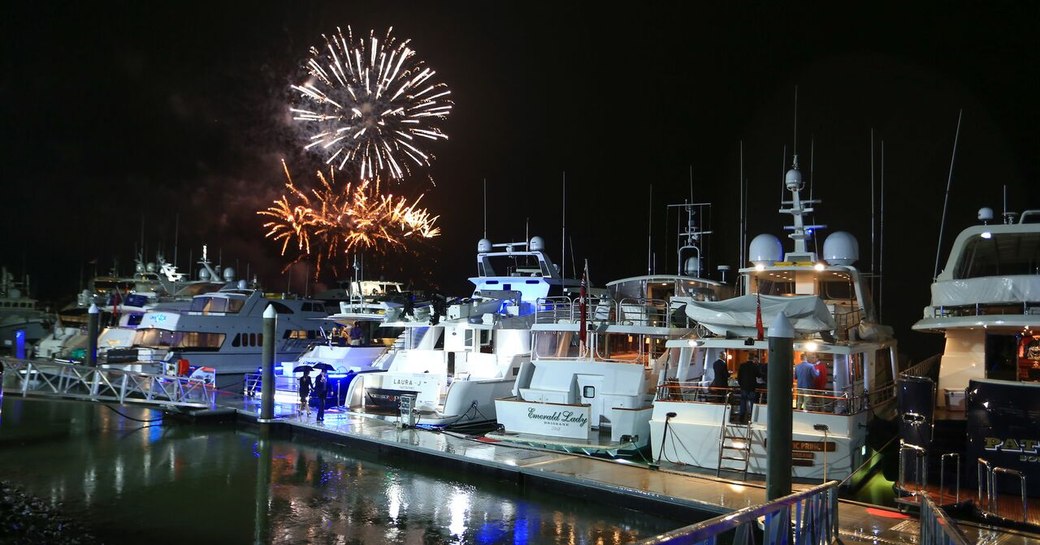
{"points": [[31, 378]]}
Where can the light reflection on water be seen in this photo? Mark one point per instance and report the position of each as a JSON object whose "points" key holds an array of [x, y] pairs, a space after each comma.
{"points": [[135, 482]]}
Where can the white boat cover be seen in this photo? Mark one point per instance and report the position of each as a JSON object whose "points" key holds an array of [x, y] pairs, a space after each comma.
{"points": [[736, 316], [989, 289]]}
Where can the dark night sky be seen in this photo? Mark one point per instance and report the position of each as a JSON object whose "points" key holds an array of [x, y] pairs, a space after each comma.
{"points": [[167, 121]]}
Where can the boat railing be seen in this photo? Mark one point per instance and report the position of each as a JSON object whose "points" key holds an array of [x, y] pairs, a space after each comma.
{"points": [[928, 368], [1025, 308], [988, 474], [845, 322], [628, 311], [819, 401], [809, 517]]}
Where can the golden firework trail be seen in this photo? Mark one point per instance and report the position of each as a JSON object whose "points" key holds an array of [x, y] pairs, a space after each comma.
{"points": [[370, 103], [325, 222]]}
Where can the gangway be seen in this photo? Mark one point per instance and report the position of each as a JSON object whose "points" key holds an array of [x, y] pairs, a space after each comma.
{"points": [[58, 380]]}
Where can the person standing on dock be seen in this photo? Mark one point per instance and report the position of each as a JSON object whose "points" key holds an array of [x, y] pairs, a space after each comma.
{"points": [[321, 387], [305, 393]]}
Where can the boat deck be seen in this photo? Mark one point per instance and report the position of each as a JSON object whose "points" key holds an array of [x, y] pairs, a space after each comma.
{"points": [[628, 483]]}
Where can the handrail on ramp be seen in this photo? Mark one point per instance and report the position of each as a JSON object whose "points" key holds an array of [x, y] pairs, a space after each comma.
{"points": [[49, 379], [809, 517]]}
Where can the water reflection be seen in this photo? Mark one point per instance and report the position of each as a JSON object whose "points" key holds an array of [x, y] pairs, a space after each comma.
{"points": [[134, 483]]}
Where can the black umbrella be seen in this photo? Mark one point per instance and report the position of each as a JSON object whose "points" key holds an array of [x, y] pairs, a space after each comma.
{"points": [[303, 369], [324, 367]]}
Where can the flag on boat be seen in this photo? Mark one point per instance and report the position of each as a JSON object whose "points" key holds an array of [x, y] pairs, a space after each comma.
{"points": [[758, 317]]}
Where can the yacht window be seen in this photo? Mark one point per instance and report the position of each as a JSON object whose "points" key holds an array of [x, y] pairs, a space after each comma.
{"points": [[555, 344], [200, 340], [1001, 254], [237, 341], [252, 339]]}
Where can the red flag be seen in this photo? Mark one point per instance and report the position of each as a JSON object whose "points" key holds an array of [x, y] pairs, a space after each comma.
{"points": [[758, 318], [582, 304]]}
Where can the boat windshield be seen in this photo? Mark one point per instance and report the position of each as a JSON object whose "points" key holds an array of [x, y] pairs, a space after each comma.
{"points": [[1002, 254]]}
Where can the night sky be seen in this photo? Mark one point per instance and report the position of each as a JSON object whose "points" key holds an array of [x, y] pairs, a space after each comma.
{"points": [[163, 125]]}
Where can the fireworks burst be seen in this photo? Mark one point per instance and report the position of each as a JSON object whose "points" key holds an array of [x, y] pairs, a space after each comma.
{"points": [[371, 103], [355, 218]]}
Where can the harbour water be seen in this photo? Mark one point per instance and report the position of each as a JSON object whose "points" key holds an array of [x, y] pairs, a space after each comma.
{"points": [[130, 478]]}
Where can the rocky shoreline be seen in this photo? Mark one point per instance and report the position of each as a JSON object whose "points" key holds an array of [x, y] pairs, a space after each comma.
{"points": [[26, 519]]}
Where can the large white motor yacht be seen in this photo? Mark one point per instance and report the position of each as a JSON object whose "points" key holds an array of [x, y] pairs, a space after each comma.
{"points": [[448, 370], [829, 304]]}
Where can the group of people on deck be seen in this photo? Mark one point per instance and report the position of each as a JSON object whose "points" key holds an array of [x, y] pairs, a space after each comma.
{"points": [[751, 377]]}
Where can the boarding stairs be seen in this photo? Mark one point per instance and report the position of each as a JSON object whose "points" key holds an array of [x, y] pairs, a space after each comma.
{"points": [[734, 443], [43, 379]]}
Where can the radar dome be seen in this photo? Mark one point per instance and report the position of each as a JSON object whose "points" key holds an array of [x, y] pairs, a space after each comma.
{"points": [[483, 245], [139, 267], [692, 266], [229, 274], [14, 293], [537, 244], [840, 248], [793, 180], [765, 249], [242, 284], [150, 267], [204, 274], [985, 214]]}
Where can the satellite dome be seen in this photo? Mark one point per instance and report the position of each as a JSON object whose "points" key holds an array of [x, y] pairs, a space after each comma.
{"points": [[765, 249], [204, 274], [985, 214], [242, 284], [793, 179], [537, 244], [14, 293], [229, 274], [483, 245], [139, 267], [150, 267], [840, 248], [692, 266]]}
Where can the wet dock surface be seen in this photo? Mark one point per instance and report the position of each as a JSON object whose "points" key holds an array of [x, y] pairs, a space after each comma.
{"points": [[631, 483]]}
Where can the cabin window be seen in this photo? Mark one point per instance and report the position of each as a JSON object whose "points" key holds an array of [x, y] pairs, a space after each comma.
{"points": [[200, 340], [252, 339], [237, 341]]}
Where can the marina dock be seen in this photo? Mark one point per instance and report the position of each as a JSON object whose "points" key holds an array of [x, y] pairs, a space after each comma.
{"points": [[628, 484]]}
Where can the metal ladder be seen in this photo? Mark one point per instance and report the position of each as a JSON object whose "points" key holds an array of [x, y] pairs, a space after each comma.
{"points": [[734, 443]]}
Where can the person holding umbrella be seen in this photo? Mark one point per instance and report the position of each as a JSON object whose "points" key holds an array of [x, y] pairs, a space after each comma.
{"points": [[305, 389], [321, 387]]}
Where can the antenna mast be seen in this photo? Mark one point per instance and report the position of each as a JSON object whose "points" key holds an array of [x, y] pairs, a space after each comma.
{"points": [[649, 231], [485, 207], [946, 200], [881, 247], [563, 233]]}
